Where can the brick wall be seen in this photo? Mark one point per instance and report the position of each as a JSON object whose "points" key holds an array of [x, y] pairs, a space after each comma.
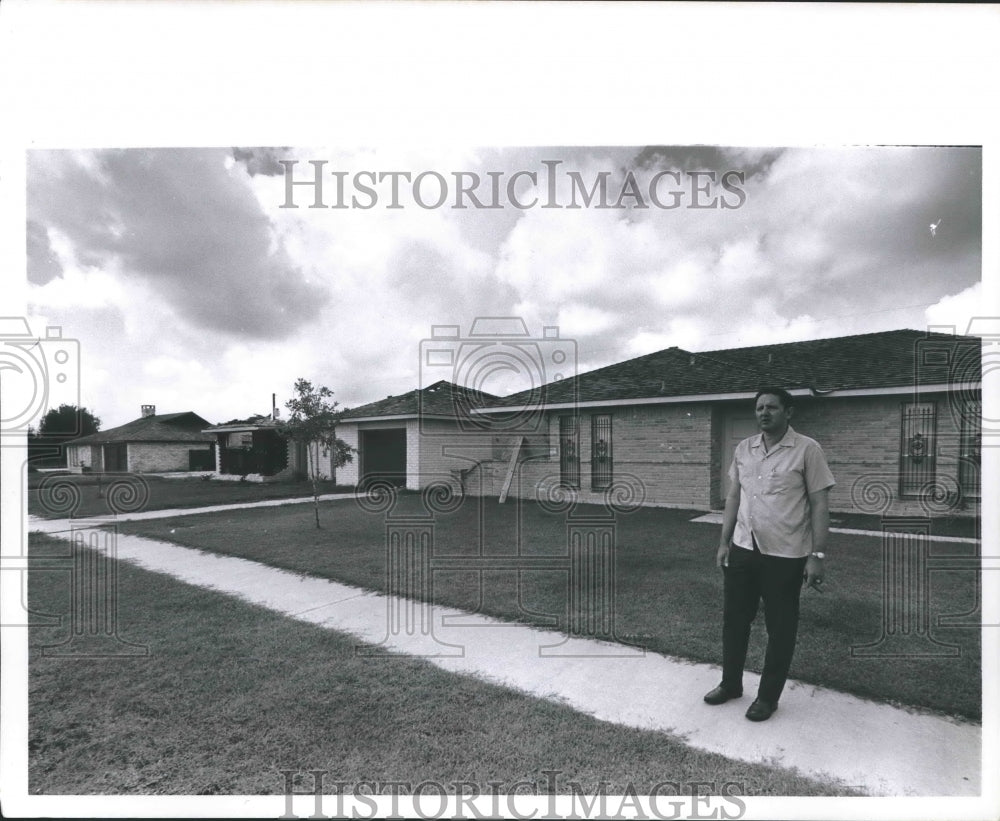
{"points": [[161, 456], [348, 474], [677, 455], [665, 450], [441, 448], [861, 438], [412, 455]]}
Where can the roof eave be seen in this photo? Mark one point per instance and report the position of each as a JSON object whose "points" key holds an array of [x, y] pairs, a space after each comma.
{"points": [[398, 417], [725, 397]]}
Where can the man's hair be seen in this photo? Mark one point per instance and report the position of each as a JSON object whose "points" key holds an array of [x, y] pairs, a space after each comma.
{"points": [[786, 399]]}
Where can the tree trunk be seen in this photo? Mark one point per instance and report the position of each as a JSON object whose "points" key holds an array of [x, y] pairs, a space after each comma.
{"points": [[316, 503], [312, 474]]}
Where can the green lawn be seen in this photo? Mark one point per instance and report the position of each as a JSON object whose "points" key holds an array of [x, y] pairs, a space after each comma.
{"points": [[92, 494], [232, 694], [667, 594]]}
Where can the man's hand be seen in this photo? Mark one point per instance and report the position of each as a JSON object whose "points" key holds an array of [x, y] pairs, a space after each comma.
{"points": [[722, 556], [813, 575]]}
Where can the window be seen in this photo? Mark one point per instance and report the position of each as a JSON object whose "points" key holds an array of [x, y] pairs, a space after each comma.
{"points": [[918, 447], [240, 439], [969, 457], [601, 452]]}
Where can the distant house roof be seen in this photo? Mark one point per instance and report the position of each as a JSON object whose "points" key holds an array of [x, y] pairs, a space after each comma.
{"points": [[249, 424], [443, 398], [161, 427], [866, 362]]}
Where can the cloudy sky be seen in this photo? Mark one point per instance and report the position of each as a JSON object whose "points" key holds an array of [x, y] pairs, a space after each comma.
{"points": [[189, 287]]}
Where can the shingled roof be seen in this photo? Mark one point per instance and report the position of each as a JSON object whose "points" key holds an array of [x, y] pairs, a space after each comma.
{"points": [[443, 398], [251, 423], [163, 427], [888, 359]]}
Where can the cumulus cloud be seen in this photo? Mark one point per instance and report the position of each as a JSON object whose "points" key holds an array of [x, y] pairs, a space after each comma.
{"points": [[957, 310], [828, 242], [43, 263], [206, 283], [261, 160], [183, 223]]}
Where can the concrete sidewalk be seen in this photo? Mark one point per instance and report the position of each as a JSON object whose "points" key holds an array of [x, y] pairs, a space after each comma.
{"points": [[716, 519], [875, 748], [712, 518], [55, 525]]}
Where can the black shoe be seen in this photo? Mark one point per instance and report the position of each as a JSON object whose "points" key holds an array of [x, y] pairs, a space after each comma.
{"points": [[720, 695], [761, 710]]}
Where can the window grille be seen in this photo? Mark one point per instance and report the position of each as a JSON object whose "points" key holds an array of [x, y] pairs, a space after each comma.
{"points": [[969, 458], [569, 451], [918, 448], [602, 454]]}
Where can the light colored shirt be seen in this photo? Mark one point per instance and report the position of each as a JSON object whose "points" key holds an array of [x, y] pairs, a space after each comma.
{"points": [[775, 487]]}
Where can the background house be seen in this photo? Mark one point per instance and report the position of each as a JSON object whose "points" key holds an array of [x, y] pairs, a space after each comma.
{"points": [[255, 446], [153, 443], [897, 414]]}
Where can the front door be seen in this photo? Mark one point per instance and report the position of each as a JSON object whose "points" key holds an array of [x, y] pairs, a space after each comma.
{"points": [[116, 457], [737, 427]]}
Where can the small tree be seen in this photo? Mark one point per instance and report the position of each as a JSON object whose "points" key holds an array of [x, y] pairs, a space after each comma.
{"points": [[312, 422]]}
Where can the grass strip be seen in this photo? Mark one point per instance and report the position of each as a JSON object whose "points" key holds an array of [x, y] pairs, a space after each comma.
{"points": [[91, 494], [232, 694]]}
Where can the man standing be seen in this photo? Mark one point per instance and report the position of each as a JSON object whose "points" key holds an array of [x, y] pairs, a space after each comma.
{"points": [[774, 531]]}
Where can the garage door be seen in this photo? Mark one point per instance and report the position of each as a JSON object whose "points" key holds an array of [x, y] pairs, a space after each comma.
{"points": [[383, 455]]}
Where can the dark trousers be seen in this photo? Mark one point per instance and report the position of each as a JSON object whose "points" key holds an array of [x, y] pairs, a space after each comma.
{"points": [[750, 578]]}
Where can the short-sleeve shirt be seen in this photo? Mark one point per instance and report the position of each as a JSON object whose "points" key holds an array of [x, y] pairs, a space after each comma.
{"points": [[775, 487]]}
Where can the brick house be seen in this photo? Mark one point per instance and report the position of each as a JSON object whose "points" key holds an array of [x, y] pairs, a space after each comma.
{"points": [[153, 443], [897, 414]]}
